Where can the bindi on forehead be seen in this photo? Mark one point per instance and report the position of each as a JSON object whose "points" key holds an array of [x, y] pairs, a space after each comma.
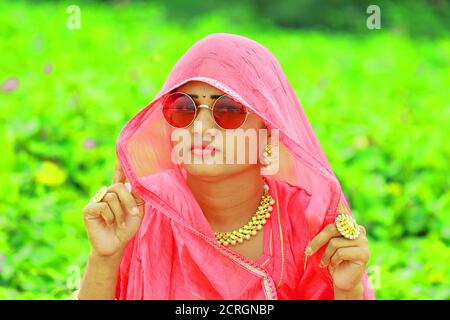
{"points": [[213, 96]]}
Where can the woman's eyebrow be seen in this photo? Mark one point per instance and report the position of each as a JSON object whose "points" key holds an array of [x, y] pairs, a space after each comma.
{"points": [[213, 96]]}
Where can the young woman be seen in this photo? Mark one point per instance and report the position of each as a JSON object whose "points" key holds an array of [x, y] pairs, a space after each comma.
{"points": [[230, 195]]}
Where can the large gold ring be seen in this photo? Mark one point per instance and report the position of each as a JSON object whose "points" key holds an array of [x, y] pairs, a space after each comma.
{"points": [[100, 194], [347, 226]]}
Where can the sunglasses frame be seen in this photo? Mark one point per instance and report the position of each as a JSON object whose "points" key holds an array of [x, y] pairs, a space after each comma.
{"points": [[197, 107]]}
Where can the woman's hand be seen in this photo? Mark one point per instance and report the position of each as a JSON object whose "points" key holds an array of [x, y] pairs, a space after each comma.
{"points": [[112, 222], [346, 260]]}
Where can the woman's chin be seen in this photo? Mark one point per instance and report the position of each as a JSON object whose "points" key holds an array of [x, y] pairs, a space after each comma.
{"points": [[214, 170], [203, 169]]}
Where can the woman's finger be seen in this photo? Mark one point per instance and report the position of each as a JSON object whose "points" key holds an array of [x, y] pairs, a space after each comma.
{"points": [[125, 197], [118, 176], [333, 245], [93, 211], [139, 201], [113, 202], [357, 254], [330, 231], [106, 213]]}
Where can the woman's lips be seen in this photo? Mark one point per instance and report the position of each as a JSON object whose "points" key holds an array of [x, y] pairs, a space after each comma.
{"points": [[203, 150]]}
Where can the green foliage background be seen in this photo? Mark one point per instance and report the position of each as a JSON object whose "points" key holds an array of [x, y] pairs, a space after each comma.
{"points": [[377, 99]]}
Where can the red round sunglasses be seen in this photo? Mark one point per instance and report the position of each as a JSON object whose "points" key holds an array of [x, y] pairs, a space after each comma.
{"points": [[180, 111]]}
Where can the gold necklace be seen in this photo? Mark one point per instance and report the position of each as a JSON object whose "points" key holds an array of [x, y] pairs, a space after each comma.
{"points": [[255, 224]]}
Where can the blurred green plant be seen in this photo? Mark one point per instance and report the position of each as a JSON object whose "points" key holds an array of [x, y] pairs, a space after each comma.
{"points": [[419, 18], [376, 101]]}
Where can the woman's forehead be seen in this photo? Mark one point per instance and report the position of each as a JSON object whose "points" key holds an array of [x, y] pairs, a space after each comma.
{"points": [[200, 88]]}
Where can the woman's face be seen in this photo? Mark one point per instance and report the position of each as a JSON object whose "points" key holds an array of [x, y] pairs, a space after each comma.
{"points": [[243, 144]]}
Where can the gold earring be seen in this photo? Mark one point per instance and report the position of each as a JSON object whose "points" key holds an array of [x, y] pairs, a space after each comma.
{"points": [[268, 155]]}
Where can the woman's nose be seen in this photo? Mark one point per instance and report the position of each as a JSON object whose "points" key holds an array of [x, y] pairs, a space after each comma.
{"points": [[204, 117]]}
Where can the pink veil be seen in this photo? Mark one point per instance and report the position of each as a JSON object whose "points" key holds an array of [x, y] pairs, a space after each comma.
{"points": [[190, 259]]}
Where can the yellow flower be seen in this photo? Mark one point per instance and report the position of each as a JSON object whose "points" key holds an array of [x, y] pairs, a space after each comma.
{"points": [[50, 174]]}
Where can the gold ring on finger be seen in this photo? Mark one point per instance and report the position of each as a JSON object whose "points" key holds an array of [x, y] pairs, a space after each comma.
{"points": [[100, 194], [347, 226]]}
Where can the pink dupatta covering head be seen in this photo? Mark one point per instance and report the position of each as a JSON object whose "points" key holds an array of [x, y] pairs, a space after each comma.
{"points": [[175, 255]]}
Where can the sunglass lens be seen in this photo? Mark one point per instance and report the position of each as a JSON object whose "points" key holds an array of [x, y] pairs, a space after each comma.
{"points": [[228, 113], [179, 110]]}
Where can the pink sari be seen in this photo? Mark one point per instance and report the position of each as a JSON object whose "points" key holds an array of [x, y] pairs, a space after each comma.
{"points": [[174, 254]]}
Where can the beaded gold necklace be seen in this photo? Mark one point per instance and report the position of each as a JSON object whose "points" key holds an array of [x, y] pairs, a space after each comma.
{"points": [[255, 224]]}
